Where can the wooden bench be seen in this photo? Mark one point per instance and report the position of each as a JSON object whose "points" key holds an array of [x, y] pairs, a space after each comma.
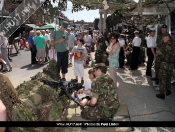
{"points": [[121, 115]]}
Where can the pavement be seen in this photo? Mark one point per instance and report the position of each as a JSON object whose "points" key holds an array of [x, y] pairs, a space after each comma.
{"points": [[135, 89]]}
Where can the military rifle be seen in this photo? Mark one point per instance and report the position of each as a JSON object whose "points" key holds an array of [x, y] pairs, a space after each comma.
{"points": [[67, 88]]}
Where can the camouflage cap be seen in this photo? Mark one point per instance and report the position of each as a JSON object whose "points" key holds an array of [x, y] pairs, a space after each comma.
{"points": [[165, 34], [99, 65], [164, 26]]}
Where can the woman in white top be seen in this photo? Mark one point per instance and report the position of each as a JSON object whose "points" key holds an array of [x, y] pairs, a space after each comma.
{"points": [[87, 39], [95, 36], [122, 49], [136, 51], [151, 51]]}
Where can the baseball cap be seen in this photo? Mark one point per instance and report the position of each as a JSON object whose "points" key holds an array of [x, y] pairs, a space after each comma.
{"points": [[65, 24], [122, 35], [86, 31], [152, 30], [99, 65], [164, 26], [136, 31]]}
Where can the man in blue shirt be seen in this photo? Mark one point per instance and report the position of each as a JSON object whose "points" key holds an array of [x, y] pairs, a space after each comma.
{"points": [[32, 46]]}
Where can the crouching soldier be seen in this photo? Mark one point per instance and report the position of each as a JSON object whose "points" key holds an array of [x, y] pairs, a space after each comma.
{"points": [[166, 66], [104, 99]]}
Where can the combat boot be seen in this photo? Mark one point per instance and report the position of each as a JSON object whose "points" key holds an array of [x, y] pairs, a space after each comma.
{"points": [[82, 81], [168, 92], [157, 81], [161, 96]]}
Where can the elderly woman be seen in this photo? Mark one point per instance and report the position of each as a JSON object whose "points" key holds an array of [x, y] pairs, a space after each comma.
{"points": [[113, 50], [4, 45], [87, 39], [39, 41]]}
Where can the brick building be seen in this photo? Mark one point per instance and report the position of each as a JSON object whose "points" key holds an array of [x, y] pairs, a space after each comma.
{"points": [[83, 24]]}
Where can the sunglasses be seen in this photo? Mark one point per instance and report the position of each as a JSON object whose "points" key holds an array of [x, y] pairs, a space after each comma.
{"points": [[112, 38]]}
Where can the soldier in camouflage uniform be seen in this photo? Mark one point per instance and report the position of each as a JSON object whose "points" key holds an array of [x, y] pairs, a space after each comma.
{"points": [[104, 102], [166, 66], [160, 44]]}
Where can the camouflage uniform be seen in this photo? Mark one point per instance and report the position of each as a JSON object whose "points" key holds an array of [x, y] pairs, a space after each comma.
{"points": [[107, 105], [166, 66], [158, 60]]}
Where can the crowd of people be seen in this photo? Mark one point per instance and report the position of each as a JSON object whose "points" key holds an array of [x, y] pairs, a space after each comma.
{"points": [[101, 89]]}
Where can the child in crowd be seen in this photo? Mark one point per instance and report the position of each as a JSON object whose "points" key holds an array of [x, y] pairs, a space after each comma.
{"points": [[87, 88], [23, 43], [52, 53], [80, 55]]}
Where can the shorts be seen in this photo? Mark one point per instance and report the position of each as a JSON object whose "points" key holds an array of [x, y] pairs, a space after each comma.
{"points": [[89, 47], [78, 69], [62, 61], [87, 97]]}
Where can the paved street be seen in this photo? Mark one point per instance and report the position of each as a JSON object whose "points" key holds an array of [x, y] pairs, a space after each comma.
{"points": [[135, 90]]}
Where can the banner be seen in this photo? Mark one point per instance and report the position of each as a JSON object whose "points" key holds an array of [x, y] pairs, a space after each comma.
{"points": [[19, 16], [1, 4], [87, 124]]}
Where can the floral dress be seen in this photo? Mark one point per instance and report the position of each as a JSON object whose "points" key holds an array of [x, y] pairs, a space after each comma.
{"points": [[114, 59]]}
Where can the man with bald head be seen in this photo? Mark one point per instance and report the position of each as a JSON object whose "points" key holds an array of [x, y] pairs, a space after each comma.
{"points": [[31, 46]]}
